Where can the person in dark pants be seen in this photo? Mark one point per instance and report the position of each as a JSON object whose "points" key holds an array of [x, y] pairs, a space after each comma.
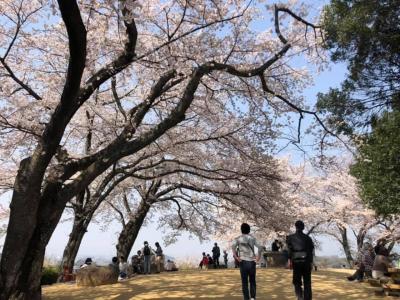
{"points": [[301, 248], [226, 258], [244, 244], [216, 254]]}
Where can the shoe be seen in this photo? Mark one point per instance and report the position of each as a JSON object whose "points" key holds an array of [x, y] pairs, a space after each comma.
{"points": [[350, 278]]}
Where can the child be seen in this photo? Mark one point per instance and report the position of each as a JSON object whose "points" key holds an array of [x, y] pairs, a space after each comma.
{"points": [[204, 262]]}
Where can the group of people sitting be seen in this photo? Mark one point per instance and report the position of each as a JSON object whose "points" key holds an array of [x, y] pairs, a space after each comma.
{"points": [[140, 263], [371, 262], [207, 260]]}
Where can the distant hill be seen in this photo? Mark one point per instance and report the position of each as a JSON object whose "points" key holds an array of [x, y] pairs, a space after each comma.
{"points": [[331, 262]]}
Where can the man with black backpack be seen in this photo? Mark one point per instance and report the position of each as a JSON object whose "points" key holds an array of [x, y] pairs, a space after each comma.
{"points": [[147, 253], [301, 249], [244, 244]]}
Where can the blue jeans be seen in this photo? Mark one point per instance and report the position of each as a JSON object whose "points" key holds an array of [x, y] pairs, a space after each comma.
{"points": [[147, 264], [248, 273]]}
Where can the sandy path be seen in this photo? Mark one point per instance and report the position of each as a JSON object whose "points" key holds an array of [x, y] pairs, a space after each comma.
{"points": [[216, 284]]}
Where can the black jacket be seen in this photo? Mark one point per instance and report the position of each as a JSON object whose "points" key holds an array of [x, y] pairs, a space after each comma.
{"points": [[300, 242], [216, 252]]}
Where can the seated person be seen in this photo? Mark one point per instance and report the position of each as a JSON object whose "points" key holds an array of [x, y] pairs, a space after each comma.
{"points": [[136, 264], [210, 260], [88, 262], [170, 266], [114, 263], [365, 261], [381, 263], [123, 268]]}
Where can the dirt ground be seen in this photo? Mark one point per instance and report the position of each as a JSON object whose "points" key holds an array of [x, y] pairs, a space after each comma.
{"points": [[216, 284]]}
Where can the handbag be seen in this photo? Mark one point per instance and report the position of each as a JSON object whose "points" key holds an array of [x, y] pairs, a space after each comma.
{"points": [[299, 256]]}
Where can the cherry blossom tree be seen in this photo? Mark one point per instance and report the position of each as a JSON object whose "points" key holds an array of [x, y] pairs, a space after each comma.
{"points": [[332, 202], [176, 152], [196, 186], [173, 60], [3, 217]]}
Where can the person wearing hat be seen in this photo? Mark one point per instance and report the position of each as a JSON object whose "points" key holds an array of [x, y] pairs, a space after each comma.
{"points": [[301, 249], [88, 262]]}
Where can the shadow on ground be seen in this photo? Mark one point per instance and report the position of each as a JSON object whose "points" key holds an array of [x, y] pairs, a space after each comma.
{"points": [[216, 284]]}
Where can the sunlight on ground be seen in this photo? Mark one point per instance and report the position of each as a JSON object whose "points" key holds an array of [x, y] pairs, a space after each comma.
{"points": [[216, 284]]}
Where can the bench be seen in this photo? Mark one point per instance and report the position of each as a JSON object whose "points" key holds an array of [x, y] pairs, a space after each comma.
{"points": [[391, 289], [374, 282]]}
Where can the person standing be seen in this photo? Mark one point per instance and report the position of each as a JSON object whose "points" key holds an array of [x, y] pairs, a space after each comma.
{"points": [[140, 262], [159, 257], [147, 252], [247, 259], [235, 259], [216, 254], [226, 258], [275, 246], [301, 248]]}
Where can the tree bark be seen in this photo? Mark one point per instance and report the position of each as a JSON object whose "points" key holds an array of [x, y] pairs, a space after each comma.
{"points": [[78, 231], [346, 246], [22, 259], [130, 231]]}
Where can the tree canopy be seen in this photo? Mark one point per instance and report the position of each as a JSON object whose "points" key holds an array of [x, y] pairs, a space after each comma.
{"points": [[366, 35], [377, 165]]}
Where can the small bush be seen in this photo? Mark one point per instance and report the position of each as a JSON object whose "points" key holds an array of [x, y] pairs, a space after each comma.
{"points": [[49, 275]]}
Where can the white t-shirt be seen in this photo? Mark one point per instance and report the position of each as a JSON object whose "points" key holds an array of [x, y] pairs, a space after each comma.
{"points": [[123, 267], [246, 244]]}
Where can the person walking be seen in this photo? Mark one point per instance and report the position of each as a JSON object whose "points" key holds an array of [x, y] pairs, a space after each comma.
{"points": [[247, 259], [147, 252], [159, 257], [301, 248], [216, 254]]}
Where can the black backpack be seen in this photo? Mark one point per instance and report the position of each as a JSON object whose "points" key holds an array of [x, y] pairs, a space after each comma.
{"points": [[146, 250]]}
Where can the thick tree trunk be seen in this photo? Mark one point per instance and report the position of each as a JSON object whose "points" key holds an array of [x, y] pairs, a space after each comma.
{"points": [[24, 283], [23, 255], [78, 231], [346, 246], [131, 229]]}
